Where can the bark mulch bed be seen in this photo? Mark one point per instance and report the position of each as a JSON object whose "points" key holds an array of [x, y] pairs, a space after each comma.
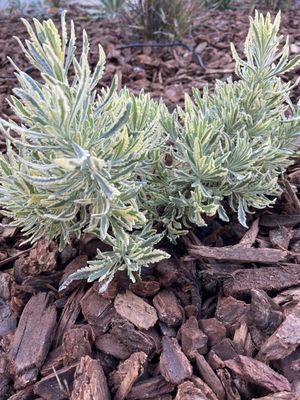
{"points": [[220, 320]]}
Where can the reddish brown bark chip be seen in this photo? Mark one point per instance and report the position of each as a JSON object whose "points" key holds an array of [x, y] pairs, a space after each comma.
{"points": [[112, 345], [214, 329], [77, 342], [41, 258], [90, 381], [174, 365], [239, 254], [127, 373], [258, 373], [209, 376], [135, 310], [264, 312], [150, 388], [266, 278], [280, 396], [94, 307], [8, 319], [32, 339], [192, 338], [231, 312], [132, 338], [24, 394], [167, 307], [284, 340], [145, 288], [6, 281], [56, 386], [188, 391], [227, 349]]}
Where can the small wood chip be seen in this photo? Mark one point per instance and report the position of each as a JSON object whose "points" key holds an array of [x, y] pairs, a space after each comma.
{"points": [[56, 386], [214, 329], [284, 340], [266, 278], [32, 339], [238, 254], [77, 342], [280, 396], [210, 377], [205, 389], [264, 312], [112, 345], [95, 308], [258, 373], [192, 338], [8, 320], [167, 307], [135, 310], [188, 391], [281, 237], [174, 365], [127, 373], [133, 339], [231, 312], [90, 381], [145, 288], [150, 389]]}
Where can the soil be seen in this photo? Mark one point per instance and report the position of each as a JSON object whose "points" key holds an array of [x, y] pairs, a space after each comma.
{"points": [[220, 320]]}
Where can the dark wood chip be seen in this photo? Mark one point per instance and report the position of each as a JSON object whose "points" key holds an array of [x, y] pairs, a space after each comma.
{"points": [[8, 319], [6, 282], [32, 339], [54, 360], [150, 389], [69, 314], [145, 288], [281, 237], [174, 365], [279, 396], [90, 381], [127, 373], [135, 310], [192, 338], [274, 220], [284, 340], [188, 391], [58, 385], [24, 394], [77, 342], [238, 254], [214, 329], [259, 374], [168, 272], [230, 389], [264, 312], [231, 312], [209, 376], [112, 345], [168, 308], [95, 308], [266, 278], [227, 349], [133, 339]]}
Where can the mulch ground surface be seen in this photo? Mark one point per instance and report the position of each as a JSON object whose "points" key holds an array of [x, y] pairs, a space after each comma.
{"points": [[220, 320]]}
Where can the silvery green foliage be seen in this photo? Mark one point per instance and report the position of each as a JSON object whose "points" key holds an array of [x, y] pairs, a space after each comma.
{"points": [[75, 164], [130, 252], [233, 144]]}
